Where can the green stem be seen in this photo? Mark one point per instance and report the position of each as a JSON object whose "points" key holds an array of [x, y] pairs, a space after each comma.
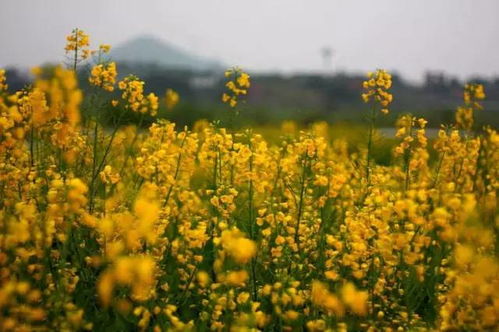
{"points": [[300, 203], [76, 51], [94, 163], [372, 124], [177, 170], [251, 219], [407, 162]]}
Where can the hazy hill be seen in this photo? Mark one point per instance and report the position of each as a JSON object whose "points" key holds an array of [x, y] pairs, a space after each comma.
{"points": [[149, 50]]}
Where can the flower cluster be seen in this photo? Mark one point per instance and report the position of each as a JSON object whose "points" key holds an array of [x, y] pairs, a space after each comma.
{"points": [[133, 94], [3, 84], [104, 48], [237, 85], [412, 149], [78, 42], [104, 76], [376, 89], [472, 95], [171, 99]]}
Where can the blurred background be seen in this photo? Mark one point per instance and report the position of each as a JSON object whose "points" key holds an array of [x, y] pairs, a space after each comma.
{"points": [[307, 59]]}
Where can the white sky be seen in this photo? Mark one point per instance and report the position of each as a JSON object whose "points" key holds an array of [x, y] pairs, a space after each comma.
{"points": [[410, 36]]}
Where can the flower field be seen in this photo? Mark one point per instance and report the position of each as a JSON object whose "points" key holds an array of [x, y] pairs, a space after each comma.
{"points": [[110, 227]]}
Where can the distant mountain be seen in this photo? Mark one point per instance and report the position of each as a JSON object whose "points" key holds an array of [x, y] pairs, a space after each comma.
{"points": [[149, 50]]}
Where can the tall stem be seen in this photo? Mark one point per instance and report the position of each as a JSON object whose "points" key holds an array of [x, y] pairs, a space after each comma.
{"points": [[300, 203], [76, 51], [251, 219], [372, 124], [177, 170], [94, 164], [407, 161], [32, 145]]}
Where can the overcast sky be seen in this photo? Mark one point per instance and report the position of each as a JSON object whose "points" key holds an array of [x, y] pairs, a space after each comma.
{"points": [[460, 37]]}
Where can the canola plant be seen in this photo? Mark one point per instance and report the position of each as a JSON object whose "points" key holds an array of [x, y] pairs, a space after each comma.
{"points": [[211, 228]]}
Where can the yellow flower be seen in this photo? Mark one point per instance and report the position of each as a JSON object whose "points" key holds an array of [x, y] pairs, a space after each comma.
{"points": [[331, 275], [243, 80], [236, 278], [107, 175], [171, 99], [104, 76], [376, 89], [137, 272], [472, 95], [203, 279], [291, 315], [78, 42], [354, 299], [323, 298], [3, 85], [238, 84], [133, 94], [104, 48], [238, 247]]}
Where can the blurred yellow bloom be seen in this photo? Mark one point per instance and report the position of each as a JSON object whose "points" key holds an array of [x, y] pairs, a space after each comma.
{"points": [[354, 299], [238, 247], [104, 48], [171, 99]]}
